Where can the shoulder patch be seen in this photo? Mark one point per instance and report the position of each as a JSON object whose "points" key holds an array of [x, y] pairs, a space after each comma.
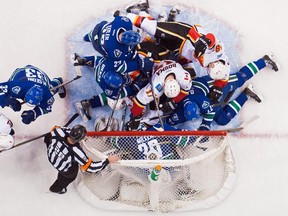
{"points": [[117, 53], [16, 89]]}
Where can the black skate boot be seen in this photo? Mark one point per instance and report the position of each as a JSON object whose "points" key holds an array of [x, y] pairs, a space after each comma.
{"points": [[143, 5], [86, 108], [270, 63], [79, 61], [172, 14], [249, 91]]}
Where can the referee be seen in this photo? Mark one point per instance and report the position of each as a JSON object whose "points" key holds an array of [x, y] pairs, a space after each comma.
{"points": [[65, 154]]}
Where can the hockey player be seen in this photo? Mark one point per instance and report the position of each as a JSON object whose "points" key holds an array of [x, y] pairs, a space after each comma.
{"points": [[168, 79], [117, 79], [115, 40], [197, 103], [186, 43], [33, 87], [65, 154], [6, 133]]}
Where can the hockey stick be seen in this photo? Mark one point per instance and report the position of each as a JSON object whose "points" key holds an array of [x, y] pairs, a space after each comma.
{"points": [[226, 99], [122, 123], [155, 101], [43, 135], [243, 124], [107, 128], [78, 76]]}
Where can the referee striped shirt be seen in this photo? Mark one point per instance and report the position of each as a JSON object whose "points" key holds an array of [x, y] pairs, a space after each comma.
{"points": [[62, 155]]}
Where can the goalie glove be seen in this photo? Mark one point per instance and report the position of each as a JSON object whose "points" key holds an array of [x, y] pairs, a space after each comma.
{"points": [[168, 106], [215, 94]]}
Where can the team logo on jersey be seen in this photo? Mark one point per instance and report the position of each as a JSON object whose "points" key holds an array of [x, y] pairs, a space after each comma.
{"points": [[16, 89], [175, 117], [108, 92], [159, 87], [205, 104], [117, 53], [125, 19], [50, 101]]}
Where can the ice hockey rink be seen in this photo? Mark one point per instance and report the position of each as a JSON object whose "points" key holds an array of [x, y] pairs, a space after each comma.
{"points": [[35, 32]]}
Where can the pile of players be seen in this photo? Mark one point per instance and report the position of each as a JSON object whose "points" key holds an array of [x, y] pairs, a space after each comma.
{"points": [[149, 65]]}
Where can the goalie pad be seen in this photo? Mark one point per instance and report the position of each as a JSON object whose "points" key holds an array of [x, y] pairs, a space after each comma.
{"points": [[120, 103], [101, 124], [6, 141]]}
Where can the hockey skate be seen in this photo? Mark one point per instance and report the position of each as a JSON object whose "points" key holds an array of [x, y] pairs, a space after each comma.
{"points": [[79, 61], [83, 108], [102, 124], [172, 14], [143, 5], [251, 92], [270, 62]]}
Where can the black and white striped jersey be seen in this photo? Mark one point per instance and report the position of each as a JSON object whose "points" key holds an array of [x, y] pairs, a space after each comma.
{"points": [[61, 154]]}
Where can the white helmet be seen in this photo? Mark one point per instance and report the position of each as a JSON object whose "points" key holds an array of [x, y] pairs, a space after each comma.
{"points": [[171, 88], [6, 141], [218, 70]]}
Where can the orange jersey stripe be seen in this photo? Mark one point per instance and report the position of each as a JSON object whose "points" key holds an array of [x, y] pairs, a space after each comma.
{"points": [[85, 166]]}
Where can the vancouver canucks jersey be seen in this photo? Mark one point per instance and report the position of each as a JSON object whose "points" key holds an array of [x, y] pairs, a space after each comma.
{"points": [[21, 81], [106, 39]]}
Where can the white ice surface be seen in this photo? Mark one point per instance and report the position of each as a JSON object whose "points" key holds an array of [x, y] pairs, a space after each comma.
{"points": [[35, 32]]}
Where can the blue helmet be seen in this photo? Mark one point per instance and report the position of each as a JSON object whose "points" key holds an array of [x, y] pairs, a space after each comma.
{"points": [[113, 79], [130, 38], [191, 111], [34, 95]]}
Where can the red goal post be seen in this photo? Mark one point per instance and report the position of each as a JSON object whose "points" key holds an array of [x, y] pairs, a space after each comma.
{"points": [[193, 170]]}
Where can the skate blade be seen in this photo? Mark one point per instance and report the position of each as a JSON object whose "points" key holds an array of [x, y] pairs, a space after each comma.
{"points": [[81, 112]]}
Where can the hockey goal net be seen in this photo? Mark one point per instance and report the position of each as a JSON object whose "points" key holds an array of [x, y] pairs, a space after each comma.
{"points": [[159, 171]]}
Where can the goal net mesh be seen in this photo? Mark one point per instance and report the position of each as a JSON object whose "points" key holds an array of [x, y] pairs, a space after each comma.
{"points": [[195, 170]]}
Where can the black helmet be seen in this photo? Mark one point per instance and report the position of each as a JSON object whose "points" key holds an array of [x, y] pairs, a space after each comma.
{"points": [[77, 133]]}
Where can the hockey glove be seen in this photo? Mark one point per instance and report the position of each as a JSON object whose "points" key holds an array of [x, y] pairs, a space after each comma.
{"points": [[14, 104], [28, 116], [201, 45], [168, 106], [215, 94], [133, 124], [145, 65]]}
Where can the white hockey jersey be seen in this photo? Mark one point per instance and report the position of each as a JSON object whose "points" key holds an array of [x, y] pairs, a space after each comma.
{"points": [[160, 72]]}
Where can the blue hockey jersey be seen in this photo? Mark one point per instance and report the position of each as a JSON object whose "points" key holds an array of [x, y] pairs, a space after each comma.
{"points": [[105, 39], [21, 81]]}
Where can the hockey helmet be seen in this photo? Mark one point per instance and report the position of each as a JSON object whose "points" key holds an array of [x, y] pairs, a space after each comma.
{"points": [[130, 38], [191, 111], [171, 88], [34, 95], [218, 70], [77, 133], [113, 79], [6, 141]]}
